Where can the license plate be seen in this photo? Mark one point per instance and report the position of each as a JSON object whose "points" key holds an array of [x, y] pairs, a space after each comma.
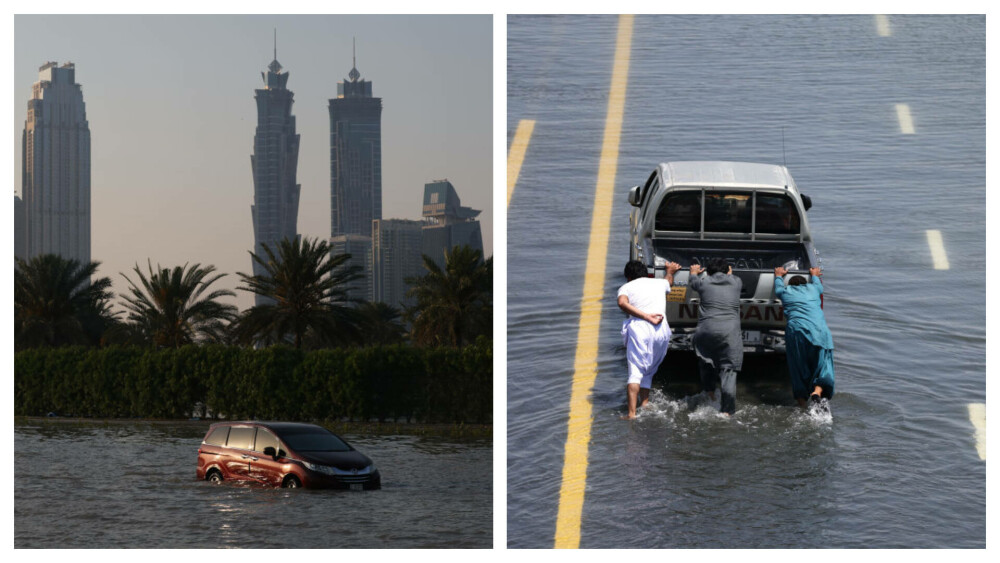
{"points": [[357, 487], [751, 337]]}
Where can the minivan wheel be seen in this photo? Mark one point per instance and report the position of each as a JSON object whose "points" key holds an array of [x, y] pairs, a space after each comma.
{"points": [[214, 476], [292, 482]]}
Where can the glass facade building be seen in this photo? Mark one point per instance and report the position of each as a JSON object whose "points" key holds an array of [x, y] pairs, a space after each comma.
{"points": [[19, 246], [355, 164], [274, 163], [360, 249], [396, 248], [55, 168], [447, 223]]}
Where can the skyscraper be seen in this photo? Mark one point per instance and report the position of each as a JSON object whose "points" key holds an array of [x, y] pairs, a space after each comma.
{"points": [[20, 250], [360, 249], [55, 167], [448, 223], [274, 162], [396, 248], [355, 162]]}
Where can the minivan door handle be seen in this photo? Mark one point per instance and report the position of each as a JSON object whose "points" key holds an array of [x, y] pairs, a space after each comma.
{"points": [[245, 456]]}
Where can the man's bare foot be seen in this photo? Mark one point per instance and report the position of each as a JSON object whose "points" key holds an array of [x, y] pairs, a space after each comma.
{"points": [[629, 417]]}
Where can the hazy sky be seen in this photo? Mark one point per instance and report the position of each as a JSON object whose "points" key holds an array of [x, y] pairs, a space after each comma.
{"points": [[170, 102]]}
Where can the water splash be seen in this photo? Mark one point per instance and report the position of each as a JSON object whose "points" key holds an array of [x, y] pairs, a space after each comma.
{"points": [[700, 409], [820, 414]]}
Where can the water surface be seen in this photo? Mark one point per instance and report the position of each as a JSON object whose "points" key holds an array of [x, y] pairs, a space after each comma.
{"points": [[897, 466], [132, 484]]}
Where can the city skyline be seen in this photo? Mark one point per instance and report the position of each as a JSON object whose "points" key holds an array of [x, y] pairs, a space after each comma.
{"points": [[172, 121]]}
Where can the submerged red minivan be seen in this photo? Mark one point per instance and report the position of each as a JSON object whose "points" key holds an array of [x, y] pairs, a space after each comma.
{"points": [[284, 454]]}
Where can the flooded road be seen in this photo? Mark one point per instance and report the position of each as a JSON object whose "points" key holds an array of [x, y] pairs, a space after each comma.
{"points": [[132, 484], [884, 127]]}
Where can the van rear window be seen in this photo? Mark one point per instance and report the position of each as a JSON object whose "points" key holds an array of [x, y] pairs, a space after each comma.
{"points": [[679, 211], [728, 212], [776, 214]]}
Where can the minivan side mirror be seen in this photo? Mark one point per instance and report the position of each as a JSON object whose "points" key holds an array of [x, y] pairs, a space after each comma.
{"points": [[635, 196], [270, 451], [807, 202]]}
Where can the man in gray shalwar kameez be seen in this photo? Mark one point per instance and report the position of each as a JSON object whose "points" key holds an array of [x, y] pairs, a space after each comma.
{"points": [[718, 342]]}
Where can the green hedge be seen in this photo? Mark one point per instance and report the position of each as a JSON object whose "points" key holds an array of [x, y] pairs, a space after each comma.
{"points": [[277, 383]]}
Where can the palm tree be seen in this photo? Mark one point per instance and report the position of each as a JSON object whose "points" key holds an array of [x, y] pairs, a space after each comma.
{"points": [[454, 304], [379, 324], [56, 303], [169, 309], [306, 289]]}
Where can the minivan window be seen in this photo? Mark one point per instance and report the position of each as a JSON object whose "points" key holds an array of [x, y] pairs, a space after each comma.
{"points": [[679, 211], [217, 437], [241, 437], [776, 214], [728, 212], [309, 440], [265, 439]]}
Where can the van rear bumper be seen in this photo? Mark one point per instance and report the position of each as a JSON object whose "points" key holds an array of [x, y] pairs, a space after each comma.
{"points": [[756, 341]]}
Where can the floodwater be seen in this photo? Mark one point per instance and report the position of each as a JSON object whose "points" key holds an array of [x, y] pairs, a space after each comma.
{"points": [[897, 465], [132, 484]]}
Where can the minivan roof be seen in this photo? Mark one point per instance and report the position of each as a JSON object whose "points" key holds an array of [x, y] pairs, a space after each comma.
{"points": [[279, 426], [723, 173]]}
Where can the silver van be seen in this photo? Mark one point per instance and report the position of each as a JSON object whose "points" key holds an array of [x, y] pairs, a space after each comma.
{"points": [[750, 214]]}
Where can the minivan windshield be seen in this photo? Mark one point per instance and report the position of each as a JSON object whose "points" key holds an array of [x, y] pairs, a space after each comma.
{"points": [[310, 440]]}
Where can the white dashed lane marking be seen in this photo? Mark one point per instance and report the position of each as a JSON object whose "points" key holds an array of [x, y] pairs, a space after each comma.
{"points": [[977, 414], [937, 250], [905, 120], [882, 24]]}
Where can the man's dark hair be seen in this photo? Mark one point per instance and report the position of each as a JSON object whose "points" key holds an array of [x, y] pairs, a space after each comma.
{"points": [[797, 280], [635, 269], [716, 265]]}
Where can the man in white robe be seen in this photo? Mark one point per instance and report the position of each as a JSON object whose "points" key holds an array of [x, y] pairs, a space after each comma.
{"points": [[645, 332]]}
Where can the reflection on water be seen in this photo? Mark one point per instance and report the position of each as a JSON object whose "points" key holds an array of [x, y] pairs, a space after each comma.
{"points": [[132, 484]]}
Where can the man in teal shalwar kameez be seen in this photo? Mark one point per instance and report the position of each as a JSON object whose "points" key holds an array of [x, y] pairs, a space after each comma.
{"points": [[808, 342]]}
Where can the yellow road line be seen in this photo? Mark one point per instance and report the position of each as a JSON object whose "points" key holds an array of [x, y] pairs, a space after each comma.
{"points": [[882, 24], [905, 121], [937, 250], [574, 477], [977, 414], [515, 156]]}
